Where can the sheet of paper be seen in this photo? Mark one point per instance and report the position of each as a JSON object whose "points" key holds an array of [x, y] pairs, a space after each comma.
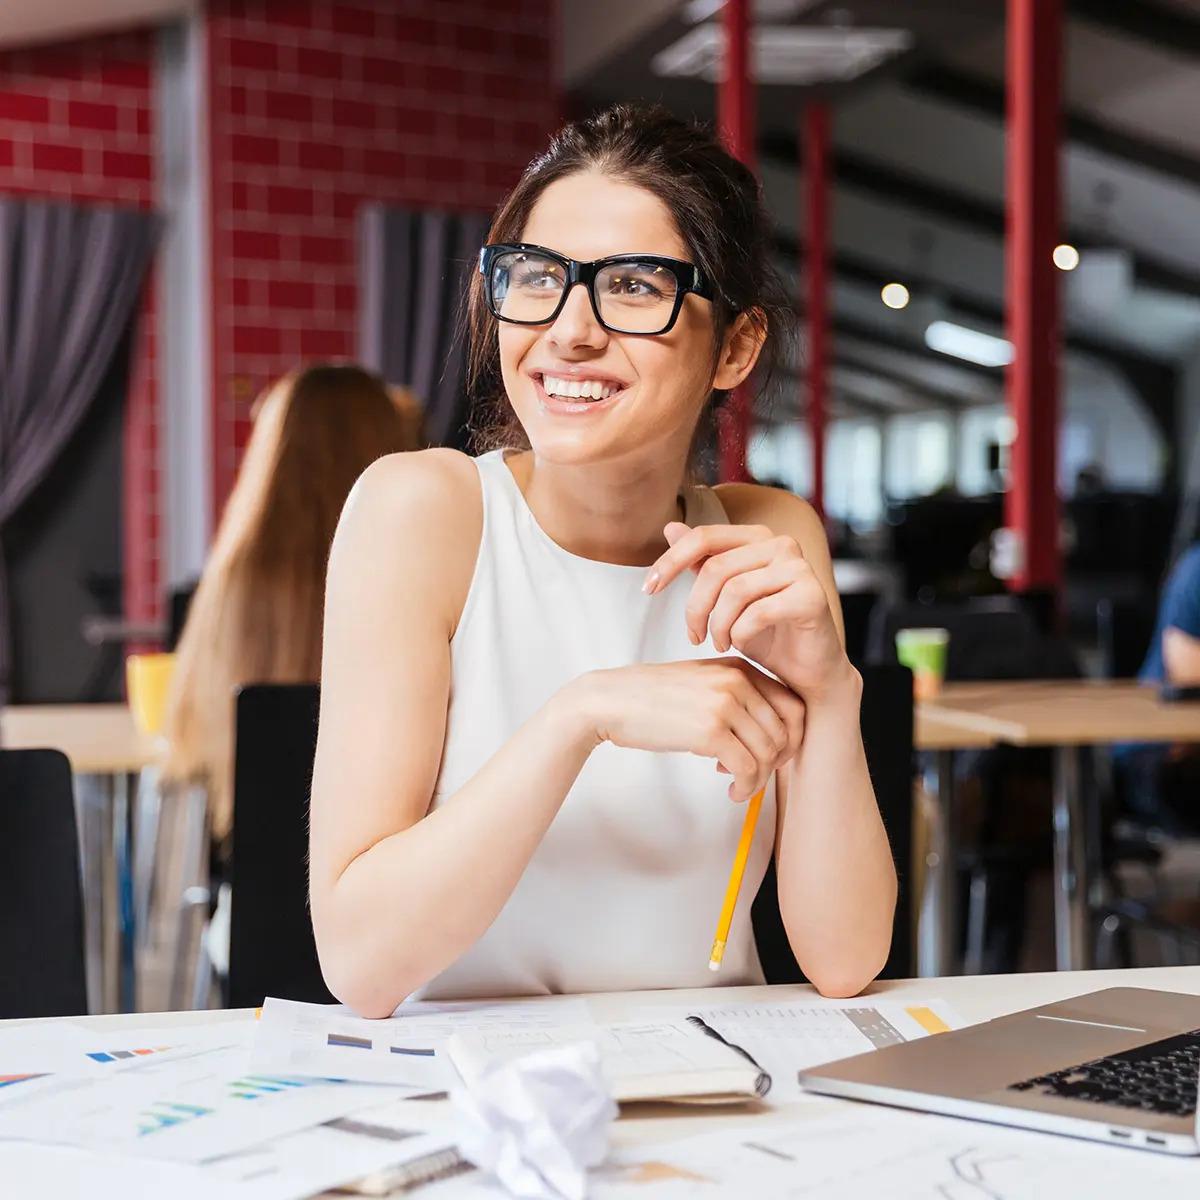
{"points": [[787, 1037], [61, 1173], [871, 1152], [406, 1049], [33, 1057], [188, 1107]]}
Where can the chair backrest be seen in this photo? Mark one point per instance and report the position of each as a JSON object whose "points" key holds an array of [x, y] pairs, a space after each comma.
{"points": [[990, 638], [887, 730], [178, 603], [1124, 631], [271, 947], [856, 615], [41, 899]]}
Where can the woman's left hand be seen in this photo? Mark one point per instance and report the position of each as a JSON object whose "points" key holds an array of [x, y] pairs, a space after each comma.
{"points": [[756, 592]]}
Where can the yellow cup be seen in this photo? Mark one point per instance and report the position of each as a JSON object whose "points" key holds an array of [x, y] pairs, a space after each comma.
{"points": [[147, 685]]}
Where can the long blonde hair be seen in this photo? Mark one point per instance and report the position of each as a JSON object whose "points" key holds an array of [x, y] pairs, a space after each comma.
{"points": [[256, 614]]}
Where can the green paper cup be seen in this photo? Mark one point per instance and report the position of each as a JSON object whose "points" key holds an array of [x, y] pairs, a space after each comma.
{"points": [[923, 652]]}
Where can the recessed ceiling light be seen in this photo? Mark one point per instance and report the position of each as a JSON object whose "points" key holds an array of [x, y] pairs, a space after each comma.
{"points": [[1066, 257], [894, 295]]}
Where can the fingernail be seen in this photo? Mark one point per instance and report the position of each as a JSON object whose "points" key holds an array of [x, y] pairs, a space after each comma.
{"points": [[651, 583]]}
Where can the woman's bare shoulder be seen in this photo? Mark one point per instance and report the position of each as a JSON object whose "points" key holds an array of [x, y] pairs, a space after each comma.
{"points": [[418, 517], [419, 494], [779, 510]]}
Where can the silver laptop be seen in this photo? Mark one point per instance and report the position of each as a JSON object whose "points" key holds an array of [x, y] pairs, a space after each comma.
{"points": [[1119, 1066]]}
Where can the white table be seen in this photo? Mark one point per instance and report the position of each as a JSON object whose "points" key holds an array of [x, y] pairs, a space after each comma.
{"points": [[977, 998]]}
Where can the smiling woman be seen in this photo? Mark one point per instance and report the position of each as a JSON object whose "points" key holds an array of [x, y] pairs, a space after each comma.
{"points": [[505, 633]]}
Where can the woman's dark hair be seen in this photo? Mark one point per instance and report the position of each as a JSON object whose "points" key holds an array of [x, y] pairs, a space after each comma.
{"points": [[717, 207]]}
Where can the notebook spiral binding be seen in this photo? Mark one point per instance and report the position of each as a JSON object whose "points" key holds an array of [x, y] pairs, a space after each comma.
{"points": [[434, 1167], [762, 1085]]}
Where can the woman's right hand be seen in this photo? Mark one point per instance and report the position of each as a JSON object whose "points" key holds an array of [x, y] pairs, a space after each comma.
{"points": [[720, 708]]}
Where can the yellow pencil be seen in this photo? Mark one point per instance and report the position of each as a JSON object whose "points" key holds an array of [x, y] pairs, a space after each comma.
{"points": [[735, 881]]}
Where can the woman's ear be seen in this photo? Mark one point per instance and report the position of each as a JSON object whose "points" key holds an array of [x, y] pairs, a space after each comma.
{"points": [[740, 349]]}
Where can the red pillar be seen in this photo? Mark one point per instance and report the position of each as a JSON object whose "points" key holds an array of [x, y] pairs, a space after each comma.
{"points": [[816, 285], [1031, 505], [735, 117]]}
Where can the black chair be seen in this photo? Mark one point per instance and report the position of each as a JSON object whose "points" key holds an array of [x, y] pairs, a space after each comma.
{"points": [[887, 730], [178, 603], [1124, 629], [41, 933], [994, 637], [856, 616], [271, 947]]}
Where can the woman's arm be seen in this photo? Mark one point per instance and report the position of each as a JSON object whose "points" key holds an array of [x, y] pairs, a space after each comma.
{"points": [[837, 879], [765, 585], [397, 895]]}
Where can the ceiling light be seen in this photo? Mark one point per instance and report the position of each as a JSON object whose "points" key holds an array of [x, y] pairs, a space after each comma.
{"points": [[1066, 257], [894, 295], [971, 344], [764, 10], [785, 54]]}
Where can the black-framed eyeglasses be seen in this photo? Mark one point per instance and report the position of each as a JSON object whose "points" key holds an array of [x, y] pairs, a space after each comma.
{"points": [[630, 293]]}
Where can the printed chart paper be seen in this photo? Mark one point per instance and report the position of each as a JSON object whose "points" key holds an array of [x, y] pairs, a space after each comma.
{"points": [[790, 1036], [187, 1108], [872, 1153], [407, 1049]]}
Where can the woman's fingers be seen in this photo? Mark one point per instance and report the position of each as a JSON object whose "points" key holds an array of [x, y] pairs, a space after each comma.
{"points": [[732, 753], [762, 743], [692, 547], [716, 572], [790, 709], [742, 591]]}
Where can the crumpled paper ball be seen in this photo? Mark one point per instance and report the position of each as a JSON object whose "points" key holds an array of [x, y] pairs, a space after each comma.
{"points": [[538, 1122]]}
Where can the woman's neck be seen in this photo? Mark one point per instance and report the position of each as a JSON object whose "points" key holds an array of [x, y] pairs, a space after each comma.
{"points": [[608, 512]]}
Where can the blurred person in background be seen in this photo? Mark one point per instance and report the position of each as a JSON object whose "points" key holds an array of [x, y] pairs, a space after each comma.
{"points": [[257, 612], [1163, 782]]}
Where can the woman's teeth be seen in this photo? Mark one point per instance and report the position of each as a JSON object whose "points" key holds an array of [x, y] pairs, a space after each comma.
{"points": [[578, 389]]}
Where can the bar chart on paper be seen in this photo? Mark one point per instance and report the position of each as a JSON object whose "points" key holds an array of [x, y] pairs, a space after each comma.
{"points": [[407, 1050], [187, 1109]]}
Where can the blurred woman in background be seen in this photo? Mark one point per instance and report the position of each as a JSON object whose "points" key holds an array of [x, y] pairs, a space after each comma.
{"points": [[257, 612]]}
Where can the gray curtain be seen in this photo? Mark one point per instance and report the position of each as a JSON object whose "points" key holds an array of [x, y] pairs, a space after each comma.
{"points": [[70, 279], [413, 270]]}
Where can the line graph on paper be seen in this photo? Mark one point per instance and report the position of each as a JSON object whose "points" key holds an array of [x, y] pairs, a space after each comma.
{"points": [[864, 1155]]}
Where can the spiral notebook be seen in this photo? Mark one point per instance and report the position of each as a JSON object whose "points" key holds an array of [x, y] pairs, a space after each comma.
{"points": [[672, 1062]]}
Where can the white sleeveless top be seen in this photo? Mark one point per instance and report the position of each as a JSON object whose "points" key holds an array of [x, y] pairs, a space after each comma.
{"points": [[625, 888]]}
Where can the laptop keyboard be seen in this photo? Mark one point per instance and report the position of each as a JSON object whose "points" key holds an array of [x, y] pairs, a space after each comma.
{"points": [[1160, 1077]]}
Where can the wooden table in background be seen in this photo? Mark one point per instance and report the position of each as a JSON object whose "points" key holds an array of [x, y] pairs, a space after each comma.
{"points": [[103, 744], [1068, 716]]}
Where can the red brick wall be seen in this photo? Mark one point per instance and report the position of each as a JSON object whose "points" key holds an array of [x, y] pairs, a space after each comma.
{"points": [[314, 107], [76, 123], [318, 106]]}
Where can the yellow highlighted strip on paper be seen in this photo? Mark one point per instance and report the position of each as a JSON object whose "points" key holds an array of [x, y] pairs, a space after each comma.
{"points": [[928, 1020]]}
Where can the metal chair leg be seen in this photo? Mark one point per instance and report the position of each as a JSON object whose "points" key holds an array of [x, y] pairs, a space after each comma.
{"points": [[147, 824], [193, 820], [977, 914]]}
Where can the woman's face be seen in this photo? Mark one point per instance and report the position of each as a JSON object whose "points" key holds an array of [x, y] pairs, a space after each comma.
{"points": [[661, 381]]}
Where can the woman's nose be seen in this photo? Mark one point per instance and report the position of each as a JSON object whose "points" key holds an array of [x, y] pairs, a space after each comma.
{"points": [[576, 324]]}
